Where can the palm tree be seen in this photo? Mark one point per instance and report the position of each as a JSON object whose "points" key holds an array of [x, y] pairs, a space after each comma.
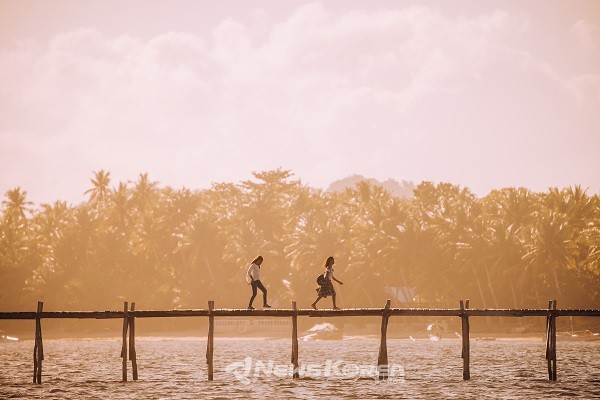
{"points": [[317, 235], [509, 217], [266, 223], [201, 247], [16, 205], [449, 214], [144, 193], [100, 191], [53, 227], [17, 248]]}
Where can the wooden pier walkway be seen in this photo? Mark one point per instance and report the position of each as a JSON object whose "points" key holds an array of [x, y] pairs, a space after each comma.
{"points": [[129, 314]]}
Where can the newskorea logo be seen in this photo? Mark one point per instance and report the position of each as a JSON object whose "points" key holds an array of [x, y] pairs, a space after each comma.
{"points": [[248, 370]]}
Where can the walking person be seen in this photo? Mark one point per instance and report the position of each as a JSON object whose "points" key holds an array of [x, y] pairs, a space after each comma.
{"points": [[326, 285], [253, 278]]}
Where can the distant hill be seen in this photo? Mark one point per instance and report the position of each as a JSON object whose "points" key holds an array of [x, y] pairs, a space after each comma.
{"points": [[400, 189]]}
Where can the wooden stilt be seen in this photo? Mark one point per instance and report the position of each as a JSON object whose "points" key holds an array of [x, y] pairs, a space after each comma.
{"points": [[554, 340], [132, 354], [548, 339], [124, 347], [35, 360], [551, 340], [38, 347], [466, 346], [382, 360], [41, 342], [296, 374], [210, 342]]}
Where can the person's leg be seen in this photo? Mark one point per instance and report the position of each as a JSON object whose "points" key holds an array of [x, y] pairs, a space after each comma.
{"points": [[253, 294], [264, 290], [314, 305], [332, 291]]}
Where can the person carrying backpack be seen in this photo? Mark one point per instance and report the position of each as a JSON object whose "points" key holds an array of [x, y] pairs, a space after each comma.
{"points": [[253, 278], [326, 285]]}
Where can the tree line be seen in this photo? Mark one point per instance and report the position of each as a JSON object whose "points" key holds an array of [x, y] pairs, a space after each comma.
{"points": [[167, 248]]}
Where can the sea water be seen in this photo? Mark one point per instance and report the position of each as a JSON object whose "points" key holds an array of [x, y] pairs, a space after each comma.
{"points": [[175, 368]]}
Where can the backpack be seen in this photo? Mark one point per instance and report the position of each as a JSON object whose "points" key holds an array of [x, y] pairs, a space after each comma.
{"points": [[321, 280]]}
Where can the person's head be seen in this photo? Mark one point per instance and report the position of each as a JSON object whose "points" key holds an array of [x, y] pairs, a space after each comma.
{"points": [[258, 260], [329, 262]]}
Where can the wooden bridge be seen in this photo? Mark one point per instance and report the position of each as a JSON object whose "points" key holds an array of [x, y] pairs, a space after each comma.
{"points": [[129, 314]]}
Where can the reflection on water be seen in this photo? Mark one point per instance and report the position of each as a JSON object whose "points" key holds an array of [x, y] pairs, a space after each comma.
{"points": [[176, 369]]}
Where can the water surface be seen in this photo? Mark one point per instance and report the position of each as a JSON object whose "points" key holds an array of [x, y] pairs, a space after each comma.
{"points": [[175, 368]]}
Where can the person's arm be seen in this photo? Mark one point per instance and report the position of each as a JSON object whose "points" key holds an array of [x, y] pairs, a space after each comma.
{"points": [[340, 282], [251, 273]]}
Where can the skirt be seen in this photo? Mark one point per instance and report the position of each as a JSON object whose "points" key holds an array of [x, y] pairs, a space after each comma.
{"points": [[326, 290]]}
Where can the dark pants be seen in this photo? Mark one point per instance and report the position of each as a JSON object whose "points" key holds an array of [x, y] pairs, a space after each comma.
{"points": [[259, 285]]}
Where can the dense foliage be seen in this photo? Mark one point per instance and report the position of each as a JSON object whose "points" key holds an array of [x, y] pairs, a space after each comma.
{"points": [[165, 248]]}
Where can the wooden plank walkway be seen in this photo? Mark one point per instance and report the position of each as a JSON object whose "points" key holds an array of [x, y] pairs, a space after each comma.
{"points": [[129, 314], [284, 312]]}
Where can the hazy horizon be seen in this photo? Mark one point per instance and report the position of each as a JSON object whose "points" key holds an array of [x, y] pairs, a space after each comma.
{"points": [[480, 94]]}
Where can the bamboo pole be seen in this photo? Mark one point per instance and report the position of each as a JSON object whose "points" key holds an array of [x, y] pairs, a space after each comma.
{"points": [[554, 340], [38, 348], [35, 360], [551, 340], [210, 341], [41, 342], [466, 346], [124, 346], [132, 353], [296, 374], [35, 347], [382, 360], [548, 331]]}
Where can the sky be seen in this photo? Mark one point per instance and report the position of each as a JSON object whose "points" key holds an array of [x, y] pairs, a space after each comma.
{"points": [[482, 94]]}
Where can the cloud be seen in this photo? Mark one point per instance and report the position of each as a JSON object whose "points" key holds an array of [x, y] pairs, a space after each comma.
{"points": [[321, 92], [584, 32], [586, 88]]}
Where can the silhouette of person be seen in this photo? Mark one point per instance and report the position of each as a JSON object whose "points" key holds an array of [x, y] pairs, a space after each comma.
{"points": [[327, 289], [253, 278]]}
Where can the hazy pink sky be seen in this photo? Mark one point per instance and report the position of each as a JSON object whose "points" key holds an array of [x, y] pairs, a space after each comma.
{"points": [[485, 94]]}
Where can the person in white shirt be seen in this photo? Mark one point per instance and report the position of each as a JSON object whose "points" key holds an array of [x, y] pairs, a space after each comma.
{"points": [[253, 278]]}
